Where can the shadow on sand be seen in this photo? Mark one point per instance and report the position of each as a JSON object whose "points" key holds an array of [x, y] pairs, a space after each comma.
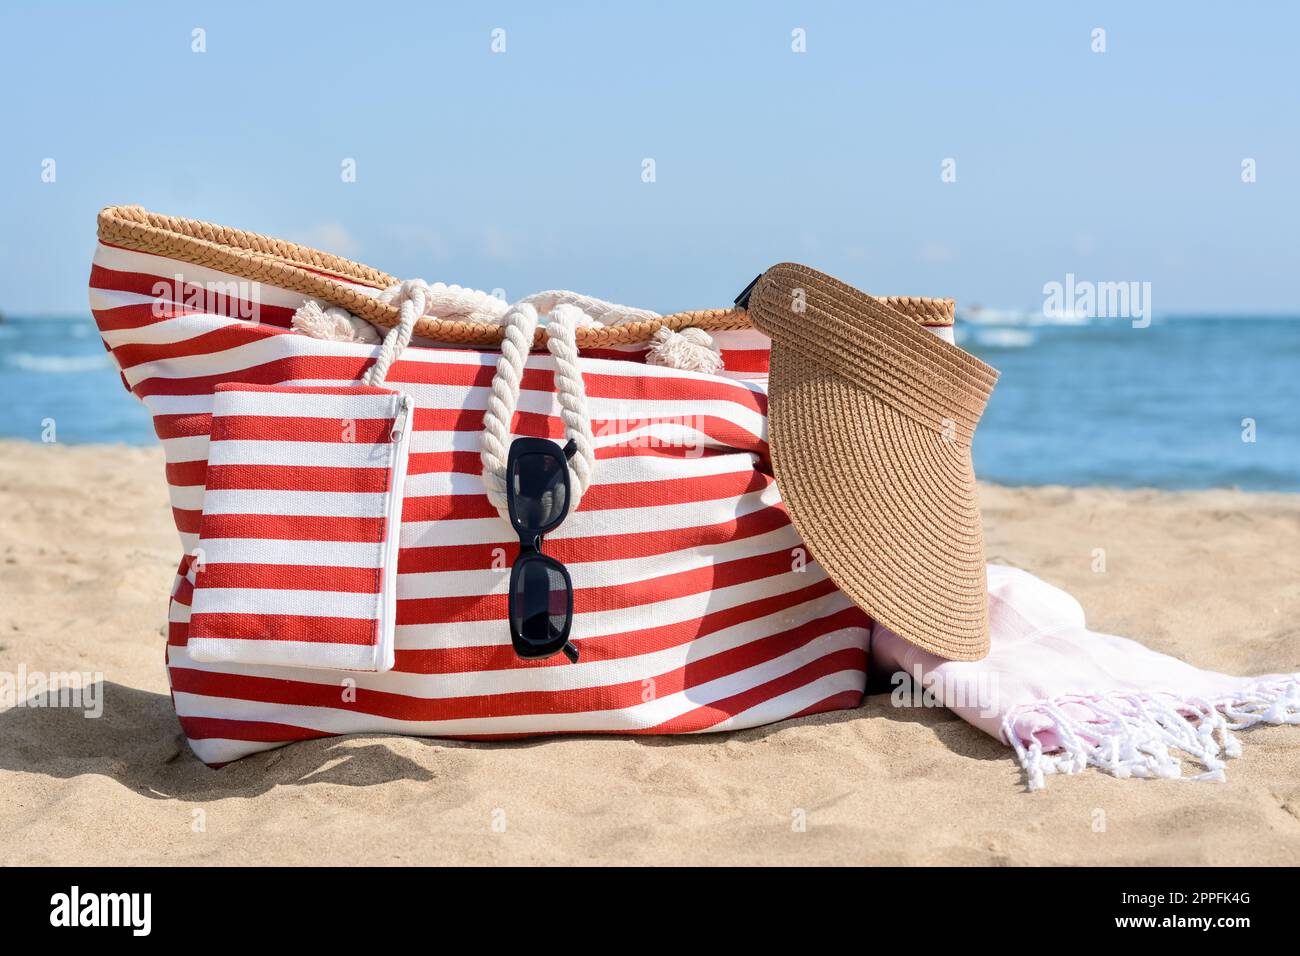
{"points": [[137, 742]]}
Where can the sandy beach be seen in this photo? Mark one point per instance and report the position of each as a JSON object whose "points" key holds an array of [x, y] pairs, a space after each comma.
{"points": [[87, 554]]}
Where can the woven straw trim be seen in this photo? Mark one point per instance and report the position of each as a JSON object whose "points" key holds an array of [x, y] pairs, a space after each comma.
{"points": [[297, 268]]}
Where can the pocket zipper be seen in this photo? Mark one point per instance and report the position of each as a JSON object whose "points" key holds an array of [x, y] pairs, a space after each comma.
{"points": [[400, 437]]}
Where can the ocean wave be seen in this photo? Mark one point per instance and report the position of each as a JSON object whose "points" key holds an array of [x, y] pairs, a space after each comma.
{"points": [[56, 364]]}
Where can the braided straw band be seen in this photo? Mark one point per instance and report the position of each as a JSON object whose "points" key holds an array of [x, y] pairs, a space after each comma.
{"points": [[870, 420], [320, 275]]}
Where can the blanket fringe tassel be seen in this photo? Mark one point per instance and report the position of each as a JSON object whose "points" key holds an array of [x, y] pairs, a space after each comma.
{"points": [[1139, 735]]}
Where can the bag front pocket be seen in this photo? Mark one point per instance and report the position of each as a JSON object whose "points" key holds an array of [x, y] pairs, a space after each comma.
{"points": [[302, 512]]}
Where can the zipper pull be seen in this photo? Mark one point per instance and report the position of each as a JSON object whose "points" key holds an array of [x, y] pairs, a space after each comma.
{"points": [[399, 423]]}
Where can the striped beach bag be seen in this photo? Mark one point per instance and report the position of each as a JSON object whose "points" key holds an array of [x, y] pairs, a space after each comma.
{"points": [[372, 480]]}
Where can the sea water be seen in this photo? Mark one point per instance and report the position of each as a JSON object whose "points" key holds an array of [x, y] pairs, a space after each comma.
{"points": [[1204, 402], [1186, 402]]}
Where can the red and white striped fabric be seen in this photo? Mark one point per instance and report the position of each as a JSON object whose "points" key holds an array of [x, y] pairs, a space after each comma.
{"points": [[696, 607], [298, 544]]}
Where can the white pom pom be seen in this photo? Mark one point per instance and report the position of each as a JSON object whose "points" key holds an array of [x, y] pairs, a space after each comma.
{"points": [[690, 349], [332, 324]]}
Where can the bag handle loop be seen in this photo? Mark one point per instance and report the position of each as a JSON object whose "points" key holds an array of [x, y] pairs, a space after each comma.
{"points": [[412, 297], [521, 323]]}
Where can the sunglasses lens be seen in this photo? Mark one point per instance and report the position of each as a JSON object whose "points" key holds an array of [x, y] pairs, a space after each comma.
{"points": [[540, 490], [539, 606]]}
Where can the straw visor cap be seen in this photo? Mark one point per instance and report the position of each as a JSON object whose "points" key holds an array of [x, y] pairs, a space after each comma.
{"points": [[870, 420]]}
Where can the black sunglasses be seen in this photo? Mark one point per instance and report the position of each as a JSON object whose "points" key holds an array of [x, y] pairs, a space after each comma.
{"points": [[541, 591]]}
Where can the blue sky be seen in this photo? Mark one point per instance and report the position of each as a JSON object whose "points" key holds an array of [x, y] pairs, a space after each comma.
{"points": [[523, 170]]}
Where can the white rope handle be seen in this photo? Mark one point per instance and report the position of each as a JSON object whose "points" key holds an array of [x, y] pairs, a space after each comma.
{"points": [[562, 343], [593, 311], [520, 326], [565, 313], [411, 296], [472, 305], [457, 302], [414, 296]]}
